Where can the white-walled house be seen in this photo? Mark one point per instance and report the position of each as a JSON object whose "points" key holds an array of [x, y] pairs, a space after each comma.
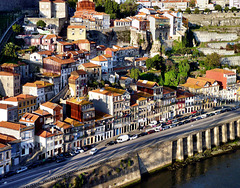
{"points": [[22, 132], [50, 142], [8, 112]]}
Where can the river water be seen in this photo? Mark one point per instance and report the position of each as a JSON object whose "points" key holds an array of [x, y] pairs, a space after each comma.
{"points": [[217, 172]]}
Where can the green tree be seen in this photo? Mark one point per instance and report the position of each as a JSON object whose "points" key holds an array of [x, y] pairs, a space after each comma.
{"points": [[196, 11], [207, 10], [155, 7], [17, 28], [112, 8], [72, 3], [218, 8], [212, 61], [183, 68], [10, 50], [172, 9], [134, 73], [180, 10], [192, 3], [188, 10], [129, 8], [226, 9], [233, 9], [33, 48], [171, 78], [41, 23], [157, 62]]}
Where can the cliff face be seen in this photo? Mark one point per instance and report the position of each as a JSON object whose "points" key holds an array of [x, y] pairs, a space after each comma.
{"points": [[110, 38], [142, 39]]}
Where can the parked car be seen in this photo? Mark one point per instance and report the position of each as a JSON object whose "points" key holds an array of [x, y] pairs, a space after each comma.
{"points": [[9, 173], [198, 118], [76, 151], [153, 123], [22, 169], [122, 138], [60, 159], [132, 137], [158, 129], [142, 134], [81, 150], [110, 143], [72, 153], [67, 154], [180, 123], [151, 131], [51, 159], [60, 155], [87, 147], [93, 151]]}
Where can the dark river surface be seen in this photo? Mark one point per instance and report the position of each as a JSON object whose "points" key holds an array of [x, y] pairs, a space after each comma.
{"points": [[221, 171]]}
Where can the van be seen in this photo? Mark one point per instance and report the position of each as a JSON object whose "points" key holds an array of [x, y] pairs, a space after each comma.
{"points": [[122, 138]]}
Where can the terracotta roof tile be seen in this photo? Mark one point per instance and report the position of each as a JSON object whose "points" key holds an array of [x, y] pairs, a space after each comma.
{"points": [[61, 61], [5, 106], [38, 84], [63, 125], [146, 83], [51, 105], [29, 117], [3, 73], [90, 65], [13, 126], [20, 97]]}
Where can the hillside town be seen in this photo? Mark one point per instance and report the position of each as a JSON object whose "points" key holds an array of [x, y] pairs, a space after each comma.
{"points": [[62, 92]]}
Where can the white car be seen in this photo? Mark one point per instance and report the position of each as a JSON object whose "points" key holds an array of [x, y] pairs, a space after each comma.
{"points": [[93, 151], [133, 137], [81, 150], [22, 169]]}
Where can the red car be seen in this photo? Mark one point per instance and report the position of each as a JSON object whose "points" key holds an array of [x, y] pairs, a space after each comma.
{"points": [[151, 131]]}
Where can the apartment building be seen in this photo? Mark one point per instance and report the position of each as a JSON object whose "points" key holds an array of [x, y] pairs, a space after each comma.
{"points": [[24, 103], [9, 84], [60, 65], [76, 32], [22, 132], [54, 109], [94, 71], [53, 9], [8, 112], [5, 158], [50, 142], [43, 90], [78, 83], [224, 77], [115, 102]]}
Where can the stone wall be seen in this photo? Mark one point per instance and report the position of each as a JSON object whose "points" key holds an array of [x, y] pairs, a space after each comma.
{"points": [[207, 51], [55, 22], [232, 61], [204, 36], [214, 19]]}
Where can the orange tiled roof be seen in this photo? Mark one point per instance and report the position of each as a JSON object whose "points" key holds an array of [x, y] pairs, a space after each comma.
{"points": [[224, 71], [38, 84], [167, 90], [90, 65], [5, 138], [100, 58], [5, 106], [42, 112], [110, 91], [141, 59], [29, 117], [61, 61], [10, 125], [146, 83], [4, 73], [52, 36], [46, 52], [76, 26], [47, 134], [2, 145], [20, 97], [63, 125], [51, 105]]}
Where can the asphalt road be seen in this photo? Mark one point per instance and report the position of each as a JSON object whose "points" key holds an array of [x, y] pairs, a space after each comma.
{"points": [[85, 159]]}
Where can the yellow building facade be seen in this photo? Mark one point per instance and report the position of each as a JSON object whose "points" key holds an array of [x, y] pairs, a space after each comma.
{"points": [[76, 32]]}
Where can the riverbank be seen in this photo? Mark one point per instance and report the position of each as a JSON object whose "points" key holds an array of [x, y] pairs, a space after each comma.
{"points": [[227, 148]]}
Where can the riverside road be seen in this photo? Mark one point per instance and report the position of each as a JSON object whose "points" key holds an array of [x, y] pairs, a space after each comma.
{"points": [[85, 159]]}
